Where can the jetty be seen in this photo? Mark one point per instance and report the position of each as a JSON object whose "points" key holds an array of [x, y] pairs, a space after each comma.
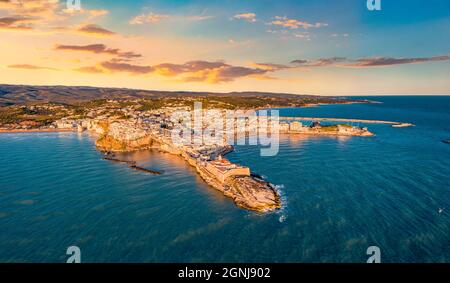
{"points": [[132, 165], [344, 120]]}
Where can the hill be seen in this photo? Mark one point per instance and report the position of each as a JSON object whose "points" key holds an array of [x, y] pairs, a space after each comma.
{"points": [[24, 94]]}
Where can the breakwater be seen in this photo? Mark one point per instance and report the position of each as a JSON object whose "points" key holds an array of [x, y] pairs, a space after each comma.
{"points": [[132, 165]]}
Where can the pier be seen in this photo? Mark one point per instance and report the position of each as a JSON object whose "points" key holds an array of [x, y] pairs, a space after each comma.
{"points": [[132, 165], [344, 120]]}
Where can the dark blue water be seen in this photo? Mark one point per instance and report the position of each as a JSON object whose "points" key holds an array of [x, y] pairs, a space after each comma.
{"points": [[341, 195]]}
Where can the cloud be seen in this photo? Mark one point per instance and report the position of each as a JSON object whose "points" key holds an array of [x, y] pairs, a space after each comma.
{"points": [[150, 18], [192, 71], [366, 62], [388, 61], [302, 35], [326, 61], [249, 17], [319, 62], [30, 67], [125, 67], [16, 23], [45, 15], [46, 9], [90, 70], [95, 30], [230, 73], [36, 8], [6, 4], [295, 24], [116, 67], [299, 62], [340, 35], [98, 13], [206, 71], [98, 49], [199, 18], [271, 66], [92, 14]]}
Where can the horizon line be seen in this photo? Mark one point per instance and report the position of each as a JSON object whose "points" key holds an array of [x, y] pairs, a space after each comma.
{"points": [[231, 92]]}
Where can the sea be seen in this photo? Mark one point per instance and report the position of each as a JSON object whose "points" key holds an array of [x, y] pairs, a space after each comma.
{"points": [[341, 195]]}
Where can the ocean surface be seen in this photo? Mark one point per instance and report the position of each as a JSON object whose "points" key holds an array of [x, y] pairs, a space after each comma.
{"points": [[340, 196]]}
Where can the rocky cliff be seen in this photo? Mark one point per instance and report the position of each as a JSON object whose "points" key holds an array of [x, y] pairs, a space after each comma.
{"points": [[246, 192]]}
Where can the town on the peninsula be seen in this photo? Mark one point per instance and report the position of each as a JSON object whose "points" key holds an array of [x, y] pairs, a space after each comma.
{"points": [[122, 125]]}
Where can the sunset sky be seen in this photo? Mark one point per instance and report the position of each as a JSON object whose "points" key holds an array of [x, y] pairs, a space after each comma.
{"points": [[305, 47]]}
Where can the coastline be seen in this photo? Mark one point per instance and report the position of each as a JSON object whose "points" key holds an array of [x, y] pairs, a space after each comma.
{"points": [[313, 105], [36, 131]]}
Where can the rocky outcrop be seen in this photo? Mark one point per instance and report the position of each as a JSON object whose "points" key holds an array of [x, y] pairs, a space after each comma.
{"points": [[120, 136], [246, 191], [98, 127], [110, 143], [251, 193]]}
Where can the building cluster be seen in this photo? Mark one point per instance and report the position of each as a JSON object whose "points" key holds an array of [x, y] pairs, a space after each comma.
{"points": [[318, 128], [158, 125], [222, 169]]}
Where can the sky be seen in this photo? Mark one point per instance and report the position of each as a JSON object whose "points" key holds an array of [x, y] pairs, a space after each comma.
{"points": [[302, 47]]}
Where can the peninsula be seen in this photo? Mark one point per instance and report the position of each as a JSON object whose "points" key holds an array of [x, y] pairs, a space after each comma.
{"points": [[141, 121]]}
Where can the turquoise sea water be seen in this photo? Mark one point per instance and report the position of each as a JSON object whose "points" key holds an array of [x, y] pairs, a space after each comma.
{"points": [[341, 195]]}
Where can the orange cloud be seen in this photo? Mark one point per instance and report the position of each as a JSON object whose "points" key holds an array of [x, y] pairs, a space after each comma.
{"points": [[95, 30], [90, 70], [30, 67], [127, 68], [271, 66], [98, 49], [199, 18], [295, 24], [150, 18], [16, 23], [36, 8], [249, 17], [193, 71], [45, 15]]}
